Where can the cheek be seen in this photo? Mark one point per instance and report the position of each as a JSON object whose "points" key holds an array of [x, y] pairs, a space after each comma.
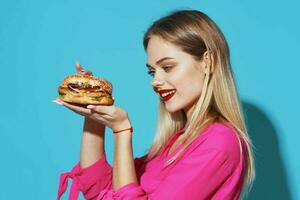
{"points": [[191, 90], [190, 85]]}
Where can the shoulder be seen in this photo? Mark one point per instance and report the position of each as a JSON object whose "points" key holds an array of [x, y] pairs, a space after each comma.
{"points": [[224, 138]]}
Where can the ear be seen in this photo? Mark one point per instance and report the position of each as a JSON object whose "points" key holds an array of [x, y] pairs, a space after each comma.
{"points": [[208, 60]]}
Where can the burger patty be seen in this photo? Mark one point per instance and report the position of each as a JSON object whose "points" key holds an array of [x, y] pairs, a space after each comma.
{"points": [[91, 91], [88, 88]]}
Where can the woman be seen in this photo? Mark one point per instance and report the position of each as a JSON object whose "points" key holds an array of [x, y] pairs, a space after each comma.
{"points": [[201, 149]]}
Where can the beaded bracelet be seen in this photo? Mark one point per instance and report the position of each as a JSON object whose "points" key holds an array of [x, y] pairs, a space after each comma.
{"points": [[131, 130]]}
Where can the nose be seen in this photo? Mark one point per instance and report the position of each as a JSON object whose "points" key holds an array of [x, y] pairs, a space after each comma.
{"points": [[157, 82]]}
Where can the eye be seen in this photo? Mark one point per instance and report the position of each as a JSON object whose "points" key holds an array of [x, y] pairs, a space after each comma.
{"points": [[151, 72], [167, 68]]}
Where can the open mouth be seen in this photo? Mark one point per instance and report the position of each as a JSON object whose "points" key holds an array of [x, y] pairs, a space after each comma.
{"points": [[167, 95]]}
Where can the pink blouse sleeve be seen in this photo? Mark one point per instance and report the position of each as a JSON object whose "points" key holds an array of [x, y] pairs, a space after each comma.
{"points": [[197, 176], [90, 180]]}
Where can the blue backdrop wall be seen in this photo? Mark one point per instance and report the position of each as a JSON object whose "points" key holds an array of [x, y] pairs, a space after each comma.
{"points": [[41, 40]]}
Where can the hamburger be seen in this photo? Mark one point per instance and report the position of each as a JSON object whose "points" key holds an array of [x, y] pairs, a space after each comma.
{"points": [[86, 89]]}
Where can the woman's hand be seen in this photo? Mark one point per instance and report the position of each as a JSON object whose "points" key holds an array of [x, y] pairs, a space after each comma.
{"points": [[114, 117], [111, 116]]}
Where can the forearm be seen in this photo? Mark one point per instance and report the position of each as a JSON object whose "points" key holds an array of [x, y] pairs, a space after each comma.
{"points": [[123, 167], [92, 143]]}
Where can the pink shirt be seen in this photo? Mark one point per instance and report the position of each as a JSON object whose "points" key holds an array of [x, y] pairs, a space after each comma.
{"points": [[212, 167]]}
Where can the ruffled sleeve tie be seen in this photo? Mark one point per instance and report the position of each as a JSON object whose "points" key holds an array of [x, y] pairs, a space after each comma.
{"points": [[75, 187]]}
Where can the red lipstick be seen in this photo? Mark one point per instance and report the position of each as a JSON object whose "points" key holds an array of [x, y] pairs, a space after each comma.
{"points": [[165, 94]]}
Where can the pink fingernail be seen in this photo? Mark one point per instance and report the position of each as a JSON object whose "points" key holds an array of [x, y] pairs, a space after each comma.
{"points": [[55, 101], [90, 107]]}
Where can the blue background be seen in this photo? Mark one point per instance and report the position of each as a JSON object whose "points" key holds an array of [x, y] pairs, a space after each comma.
{"points": [[41, 40]]}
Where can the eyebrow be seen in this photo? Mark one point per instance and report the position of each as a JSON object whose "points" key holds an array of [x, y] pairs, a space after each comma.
{"points": [[159, 61]]}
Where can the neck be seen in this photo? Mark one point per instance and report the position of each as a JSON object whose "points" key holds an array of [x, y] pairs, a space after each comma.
{"points": [[188, 113]]}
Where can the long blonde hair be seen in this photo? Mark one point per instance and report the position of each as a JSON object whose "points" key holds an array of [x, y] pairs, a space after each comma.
{"points": [[195, 33]]}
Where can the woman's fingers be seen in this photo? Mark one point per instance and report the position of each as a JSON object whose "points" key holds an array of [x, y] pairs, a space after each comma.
{"points": [[76, 108], [82, 110], [107, 115], [106, 110], [100, 118]]}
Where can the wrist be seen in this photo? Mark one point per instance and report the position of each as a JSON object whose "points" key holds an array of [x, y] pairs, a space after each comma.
{"points": [[123, 126], [130, 129], [123, 137], [93, 126]]}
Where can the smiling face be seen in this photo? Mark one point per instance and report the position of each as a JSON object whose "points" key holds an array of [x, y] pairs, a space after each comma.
{"points": [[175, 71]]}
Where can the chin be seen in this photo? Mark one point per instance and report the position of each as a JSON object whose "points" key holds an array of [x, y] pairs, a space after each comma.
{"points": [[172, 109]]}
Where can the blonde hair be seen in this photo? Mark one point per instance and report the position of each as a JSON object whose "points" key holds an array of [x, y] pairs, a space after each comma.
{"points": [[195, 33]]}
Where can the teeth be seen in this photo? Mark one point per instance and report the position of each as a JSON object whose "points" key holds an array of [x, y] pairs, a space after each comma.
{"points": [[166, 94]]}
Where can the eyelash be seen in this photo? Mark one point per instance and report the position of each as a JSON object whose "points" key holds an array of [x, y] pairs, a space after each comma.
{"points": [[166, 68]]}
